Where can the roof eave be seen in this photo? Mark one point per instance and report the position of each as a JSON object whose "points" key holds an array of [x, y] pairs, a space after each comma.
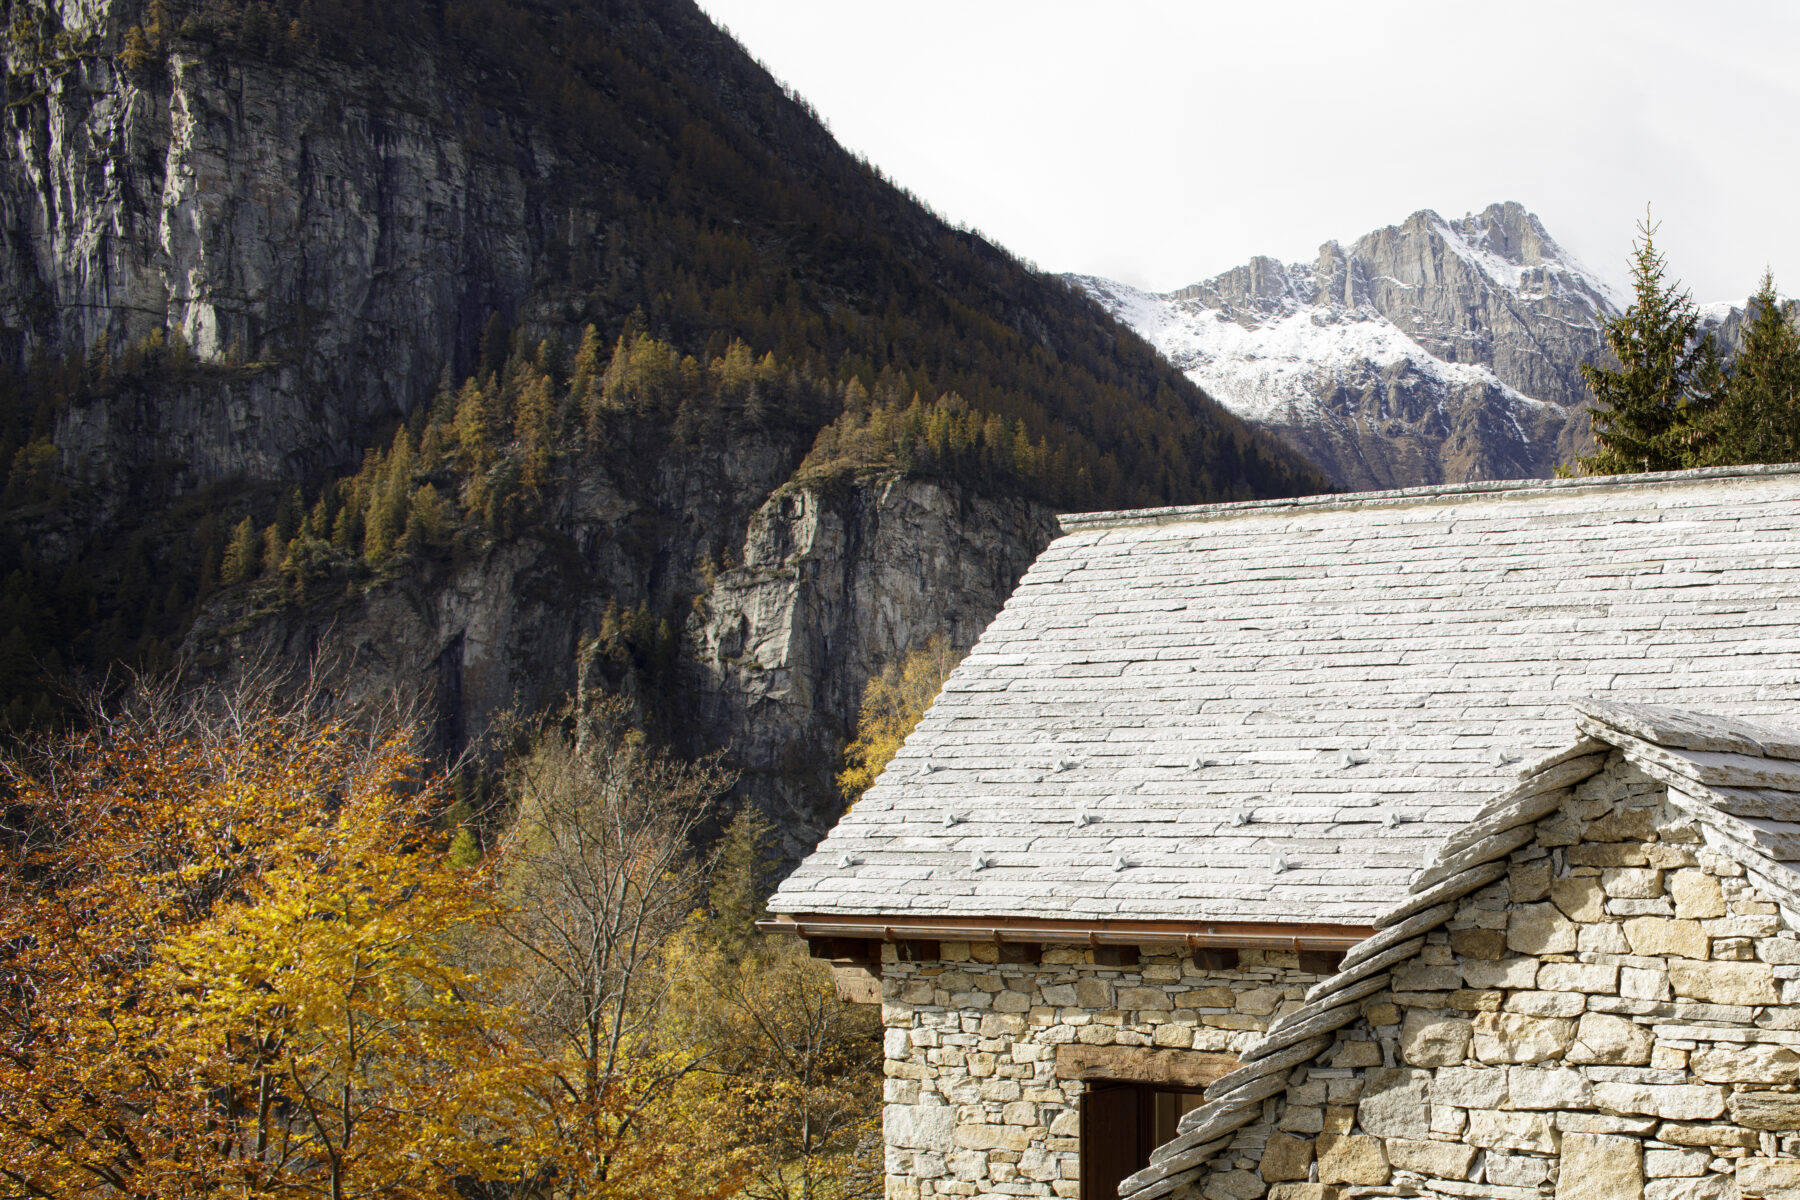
{"points": [[1237, 935]]}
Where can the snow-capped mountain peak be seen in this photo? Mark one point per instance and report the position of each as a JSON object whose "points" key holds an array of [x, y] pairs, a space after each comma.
{"points": [[1427, 351]]}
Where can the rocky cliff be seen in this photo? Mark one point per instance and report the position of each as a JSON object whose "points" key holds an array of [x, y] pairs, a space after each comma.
{"points": [[251, 248], [1428, 351], [335, 227], [833, 587], [833, 584]]}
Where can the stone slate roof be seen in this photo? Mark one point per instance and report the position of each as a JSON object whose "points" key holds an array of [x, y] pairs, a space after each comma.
{"points": [[1277, 711], [1739, 780]]}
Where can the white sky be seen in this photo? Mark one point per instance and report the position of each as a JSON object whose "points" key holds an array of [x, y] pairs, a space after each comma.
{"points": [[1160, 142]]}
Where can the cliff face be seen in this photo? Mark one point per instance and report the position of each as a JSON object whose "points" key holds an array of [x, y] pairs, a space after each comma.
{"points": [[833, 587], [834, 584], [242, 243], [300, 217], [1428, 351]]}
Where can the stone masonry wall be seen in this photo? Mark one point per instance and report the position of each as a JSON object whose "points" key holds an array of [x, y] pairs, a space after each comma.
{"points": [[1617, 1017], [974, 1102]]}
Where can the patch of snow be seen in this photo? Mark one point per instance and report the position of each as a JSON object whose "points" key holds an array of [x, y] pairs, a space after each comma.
{"points": [[1556, 263], [1274, 369], [1716, 313]]}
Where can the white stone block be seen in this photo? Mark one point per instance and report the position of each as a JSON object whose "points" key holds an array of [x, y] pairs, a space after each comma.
{"points": [[1547, 1088], [919, 1126]]}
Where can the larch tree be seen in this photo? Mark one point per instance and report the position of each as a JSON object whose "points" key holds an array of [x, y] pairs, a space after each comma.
{"points": [[241, 554], [893, 703]]}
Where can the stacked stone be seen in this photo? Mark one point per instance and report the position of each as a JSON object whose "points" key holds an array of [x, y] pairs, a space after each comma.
{"points": [[1613, 1015], [1466, 863], [975, 1104]]}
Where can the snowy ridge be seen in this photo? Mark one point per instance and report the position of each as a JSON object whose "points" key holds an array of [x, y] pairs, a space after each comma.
{"points": [[1272, 371], [1429, 351], [1559, 268]]}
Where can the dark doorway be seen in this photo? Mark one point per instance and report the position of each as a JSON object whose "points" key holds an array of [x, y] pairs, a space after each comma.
{"points": [[1121, 1123]]}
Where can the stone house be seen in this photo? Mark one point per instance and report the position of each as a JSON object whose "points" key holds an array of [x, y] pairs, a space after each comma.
{"points": [[1593, 992], [1190, 780]]}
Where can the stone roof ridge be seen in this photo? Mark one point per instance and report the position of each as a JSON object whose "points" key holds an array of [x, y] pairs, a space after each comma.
{"points": [[1080, 522], [1747, 805], [1682, 729]]}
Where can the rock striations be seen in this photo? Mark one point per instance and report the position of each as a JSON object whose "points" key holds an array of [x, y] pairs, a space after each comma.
{"points": [[1428, 352], [301, 215]]}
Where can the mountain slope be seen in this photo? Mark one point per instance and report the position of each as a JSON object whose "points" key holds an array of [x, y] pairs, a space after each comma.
{"points": [[1429, 351], [538, 342]]}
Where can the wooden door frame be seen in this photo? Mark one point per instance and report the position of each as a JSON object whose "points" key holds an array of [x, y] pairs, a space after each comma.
{"points": [[1145, 1095]]}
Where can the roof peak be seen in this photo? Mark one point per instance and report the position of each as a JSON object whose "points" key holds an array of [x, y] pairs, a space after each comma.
{"points": [[1079, 522], [1700, 781]]}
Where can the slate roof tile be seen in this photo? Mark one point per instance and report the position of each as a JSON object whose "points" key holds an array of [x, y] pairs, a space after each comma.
{"points": [[1424, 630]]}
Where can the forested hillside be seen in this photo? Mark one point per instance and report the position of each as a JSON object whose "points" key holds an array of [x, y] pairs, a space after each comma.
{"points": [[513, 347]]}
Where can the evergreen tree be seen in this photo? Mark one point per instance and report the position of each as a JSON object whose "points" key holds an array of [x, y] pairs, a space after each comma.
{"points": [[388, 503], [1759, 419], [288, 515], [1651, 412], [742, 874], [274, 550]]}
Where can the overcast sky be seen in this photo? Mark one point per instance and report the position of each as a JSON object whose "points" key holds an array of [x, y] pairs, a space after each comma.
{"points": [[1160, 143]]}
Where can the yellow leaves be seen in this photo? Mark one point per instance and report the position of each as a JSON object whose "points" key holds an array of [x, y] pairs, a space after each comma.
{"points": [[893, 703], [240, 966], [250, 966], [797, 1070]]}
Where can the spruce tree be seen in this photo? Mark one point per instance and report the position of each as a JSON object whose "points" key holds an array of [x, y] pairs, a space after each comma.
{"points": [[1759, 419], [1651, 413]]}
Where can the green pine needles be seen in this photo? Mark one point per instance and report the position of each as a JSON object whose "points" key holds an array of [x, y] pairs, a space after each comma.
{"points": [[1758, 418], [1650, 412], [1674, 401]]}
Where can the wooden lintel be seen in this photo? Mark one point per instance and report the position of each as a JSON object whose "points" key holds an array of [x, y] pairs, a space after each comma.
{"points": [[1141, 1064]]}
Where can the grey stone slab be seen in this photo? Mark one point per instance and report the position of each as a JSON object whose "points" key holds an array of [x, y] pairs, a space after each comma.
{"points": [[1426, 630]]}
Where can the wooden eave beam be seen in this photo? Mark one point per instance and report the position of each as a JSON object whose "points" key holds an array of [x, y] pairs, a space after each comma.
{"points": [[1237, 935]]}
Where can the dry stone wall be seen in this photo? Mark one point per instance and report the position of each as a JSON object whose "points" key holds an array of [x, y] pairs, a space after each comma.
{"points": [[1618, 1016], [975, 1103]]}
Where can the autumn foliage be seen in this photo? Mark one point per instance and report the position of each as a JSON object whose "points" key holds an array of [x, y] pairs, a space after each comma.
{"points": [[229, 962], [237, 957], [892, 704]]}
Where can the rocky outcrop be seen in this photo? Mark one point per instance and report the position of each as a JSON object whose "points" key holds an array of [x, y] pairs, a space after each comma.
{"points": [[1427, 352], [326, 217], [478, 633], [297, 216], [834, 586]]}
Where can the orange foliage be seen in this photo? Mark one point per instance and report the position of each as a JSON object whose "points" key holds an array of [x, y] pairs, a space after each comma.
{"points": [[227, 963]]}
